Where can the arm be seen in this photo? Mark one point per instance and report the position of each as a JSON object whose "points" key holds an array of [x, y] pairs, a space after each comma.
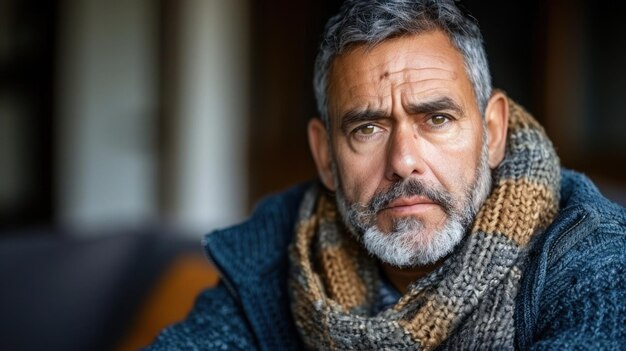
{"points": [[215, 323]]}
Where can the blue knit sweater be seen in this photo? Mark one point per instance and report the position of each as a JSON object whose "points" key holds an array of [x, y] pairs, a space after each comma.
{"points": [[573, 292]]}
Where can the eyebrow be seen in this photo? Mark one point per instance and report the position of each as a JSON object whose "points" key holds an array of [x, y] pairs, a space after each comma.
{"points": [[358, 115], [440, 104]]}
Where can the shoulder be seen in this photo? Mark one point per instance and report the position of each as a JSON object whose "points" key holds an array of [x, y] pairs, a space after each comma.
{"points": [[586, 248], [576, 272], [578, 191], [588, 225]]}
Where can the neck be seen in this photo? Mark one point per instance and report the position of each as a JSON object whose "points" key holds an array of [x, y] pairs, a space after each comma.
{"points": [[401, 278]]}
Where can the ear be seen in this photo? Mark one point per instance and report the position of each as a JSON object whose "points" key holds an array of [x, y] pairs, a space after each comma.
{"points": [[497, 121], [320, 149]]}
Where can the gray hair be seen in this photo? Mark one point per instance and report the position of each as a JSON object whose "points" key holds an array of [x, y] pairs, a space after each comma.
{"points": [[370, 22]]}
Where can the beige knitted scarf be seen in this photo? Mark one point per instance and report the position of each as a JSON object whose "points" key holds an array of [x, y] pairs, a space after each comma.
{"points": [[467, 303]]}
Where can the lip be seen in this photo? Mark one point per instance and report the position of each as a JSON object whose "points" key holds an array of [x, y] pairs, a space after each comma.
{"points": [[410, 205]]}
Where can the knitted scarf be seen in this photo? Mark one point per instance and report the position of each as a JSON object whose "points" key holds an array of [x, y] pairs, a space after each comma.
{"points": [[467, 303]]}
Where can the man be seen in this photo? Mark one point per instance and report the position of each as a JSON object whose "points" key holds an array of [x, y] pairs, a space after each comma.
{"points": [[443, 219]]}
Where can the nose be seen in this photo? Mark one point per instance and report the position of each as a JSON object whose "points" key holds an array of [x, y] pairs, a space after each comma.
{"points": [[403, 156]]}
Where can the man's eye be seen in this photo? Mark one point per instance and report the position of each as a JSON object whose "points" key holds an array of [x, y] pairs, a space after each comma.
{"points": [[438, 120], [367, 129]]}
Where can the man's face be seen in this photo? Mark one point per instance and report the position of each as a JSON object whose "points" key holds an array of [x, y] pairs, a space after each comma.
{"points": [[408, 155]]}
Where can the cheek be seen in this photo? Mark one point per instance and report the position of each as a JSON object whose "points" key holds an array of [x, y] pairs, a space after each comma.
{"points": [[454, 163], [360, 174]]}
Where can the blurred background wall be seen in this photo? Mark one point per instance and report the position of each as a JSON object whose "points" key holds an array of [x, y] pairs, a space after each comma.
{"points": [[175, 117], [124, 113]]}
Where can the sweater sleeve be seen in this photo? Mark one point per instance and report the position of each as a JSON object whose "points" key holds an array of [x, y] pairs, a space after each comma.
{"points": [[584, 304], [215, 323]]}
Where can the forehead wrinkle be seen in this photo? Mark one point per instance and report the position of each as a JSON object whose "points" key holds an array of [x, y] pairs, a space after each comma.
{"points": [[411, 97], [410, 89], [404, 74], [373, 101], [415, 74], [409, 75], [354, 90], [384, 90], [419, 85], [407, 96], [414, 57]]}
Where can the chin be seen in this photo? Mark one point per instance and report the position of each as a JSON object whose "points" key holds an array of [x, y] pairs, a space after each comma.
{"points": [[410, 244]]}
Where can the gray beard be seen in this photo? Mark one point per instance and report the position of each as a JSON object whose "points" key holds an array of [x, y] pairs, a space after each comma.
{"points": [[405, 246]]}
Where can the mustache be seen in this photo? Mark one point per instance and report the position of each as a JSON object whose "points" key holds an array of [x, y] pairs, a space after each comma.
{"points": [[407, 188]]}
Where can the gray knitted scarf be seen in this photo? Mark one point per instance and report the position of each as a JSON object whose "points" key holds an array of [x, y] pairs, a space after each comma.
{"points": [[467, 303]]}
